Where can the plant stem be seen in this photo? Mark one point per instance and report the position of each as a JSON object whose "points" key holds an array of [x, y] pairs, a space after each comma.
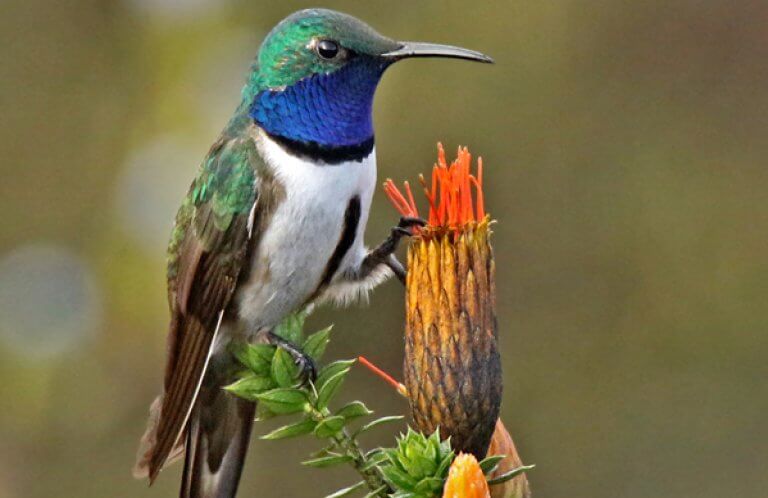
{"points": [[370, 475], [349, 446]]}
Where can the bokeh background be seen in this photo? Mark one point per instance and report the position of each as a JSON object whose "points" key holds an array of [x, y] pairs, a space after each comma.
{"points": [[625, 150]]}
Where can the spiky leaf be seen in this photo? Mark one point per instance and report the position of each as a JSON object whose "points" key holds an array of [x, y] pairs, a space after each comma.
{"points": [[419, 466], [353, 410], [329, 427], [376, 492], [379, 421], [263, 413], [292, 430], [284, 400], [429, 486], [284, 369], [327, 451], [315, 345], [330, 370], [511, 474], [374, 461], [327, 461], [327, 389], [404, 494], [257, 357], [489, 464], [398, 478], [250, 386], [347, 491], [291, 328], [445, 465]]}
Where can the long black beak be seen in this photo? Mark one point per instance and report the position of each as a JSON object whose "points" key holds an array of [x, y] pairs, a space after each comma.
{"points": [[419, 49]]}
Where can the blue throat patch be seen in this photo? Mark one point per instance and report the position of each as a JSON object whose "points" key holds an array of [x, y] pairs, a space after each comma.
{"points": [[323, 111]]}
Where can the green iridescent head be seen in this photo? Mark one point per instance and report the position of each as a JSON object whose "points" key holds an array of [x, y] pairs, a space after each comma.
{"points": [[314, 41], [313, 82], [320, 41]]}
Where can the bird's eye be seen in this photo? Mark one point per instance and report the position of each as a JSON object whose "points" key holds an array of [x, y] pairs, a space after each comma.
{"points": [[327, 49]]}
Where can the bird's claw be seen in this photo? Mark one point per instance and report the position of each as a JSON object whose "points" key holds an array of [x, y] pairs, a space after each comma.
{"points": [[404, 228], [384, 253], [307, 369], [407, 223]]}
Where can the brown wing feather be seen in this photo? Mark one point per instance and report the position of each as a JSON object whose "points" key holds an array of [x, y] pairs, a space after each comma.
{"points": [[208, 250], [196, 318]]}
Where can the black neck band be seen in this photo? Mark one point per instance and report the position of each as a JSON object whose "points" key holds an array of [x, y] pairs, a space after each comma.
{"points": [[329, 155]]}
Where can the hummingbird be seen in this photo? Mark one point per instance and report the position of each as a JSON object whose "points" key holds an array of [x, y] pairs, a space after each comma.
{"points": [[273, 223]]}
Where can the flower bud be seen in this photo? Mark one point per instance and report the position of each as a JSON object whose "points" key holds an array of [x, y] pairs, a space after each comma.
{"points": [[452, 366], [466, 479]]}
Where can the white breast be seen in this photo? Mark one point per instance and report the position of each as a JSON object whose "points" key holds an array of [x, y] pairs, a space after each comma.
{"points": [[293, 251]]}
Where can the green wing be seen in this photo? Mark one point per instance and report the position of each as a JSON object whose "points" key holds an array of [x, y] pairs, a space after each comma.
{"points": [[206, 255]]}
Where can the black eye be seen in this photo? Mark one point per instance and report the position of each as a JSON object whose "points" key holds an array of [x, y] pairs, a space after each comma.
{"points": [[327, 49]]}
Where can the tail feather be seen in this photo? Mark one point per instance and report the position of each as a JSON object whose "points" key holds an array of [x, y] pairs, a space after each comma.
{"points": [[217, 439], [149, 440]]}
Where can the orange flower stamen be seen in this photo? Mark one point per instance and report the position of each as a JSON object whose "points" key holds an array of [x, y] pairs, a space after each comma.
{"points": [[450, 195], [399, 386]]}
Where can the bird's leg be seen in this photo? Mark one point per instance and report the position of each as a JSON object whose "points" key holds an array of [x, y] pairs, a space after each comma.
{"points": [[384, 253], [306, 365]]}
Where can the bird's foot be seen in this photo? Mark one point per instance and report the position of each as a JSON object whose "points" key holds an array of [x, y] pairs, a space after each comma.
{"points": [[384, 253], [307, 370]]}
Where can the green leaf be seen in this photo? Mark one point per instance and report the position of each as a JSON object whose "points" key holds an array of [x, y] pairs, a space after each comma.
{"points": [[284, 370], [372, 453], [404, 494], [374, 461], [291, 328], [328, 461], [429, 486], [284, 400], [432, 452], [332, 369], [250, 386], [376, 492], [445, 464], [327, 451], [419, 466], [263, 413], [347, 491], [315, 345], [511, 474], [489, 464], [353, 410], [257, 357], [292, 430], [379, 421], [329, 427], [398, 478], [330, 387], [445, 446], [393, 457]]}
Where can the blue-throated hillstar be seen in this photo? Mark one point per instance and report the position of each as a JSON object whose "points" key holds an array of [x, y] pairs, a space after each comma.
{"points": [[273, 222]]}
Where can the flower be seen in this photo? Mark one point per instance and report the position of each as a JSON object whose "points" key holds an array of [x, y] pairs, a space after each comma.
{"points": [[452, 367], [466, 479]]}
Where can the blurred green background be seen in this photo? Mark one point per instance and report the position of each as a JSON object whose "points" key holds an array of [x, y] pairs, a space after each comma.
{"points": [[625, 150]]}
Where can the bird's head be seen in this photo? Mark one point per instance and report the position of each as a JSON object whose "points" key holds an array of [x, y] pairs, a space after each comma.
{"points": [[315, 76]]}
